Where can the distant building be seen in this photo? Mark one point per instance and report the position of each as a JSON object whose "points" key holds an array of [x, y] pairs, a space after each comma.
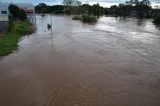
{"points": [[3, 17], [4, 13], [27, 7]]}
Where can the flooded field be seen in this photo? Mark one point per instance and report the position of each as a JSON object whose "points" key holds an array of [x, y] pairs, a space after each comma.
{"points": [[114, 62]]}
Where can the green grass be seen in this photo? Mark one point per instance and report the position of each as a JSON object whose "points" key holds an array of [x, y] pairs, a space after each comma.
{"points": [[9, 41]]}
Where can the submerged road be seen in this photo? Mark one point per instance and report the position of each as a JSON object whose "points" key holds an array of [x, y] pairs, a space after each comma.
{"points": [[114, 62]]}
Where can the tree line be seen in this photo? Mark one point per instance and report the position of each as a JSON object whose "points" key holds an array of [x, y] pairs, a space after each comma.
{"points": [[70, 7], [131, 8]]}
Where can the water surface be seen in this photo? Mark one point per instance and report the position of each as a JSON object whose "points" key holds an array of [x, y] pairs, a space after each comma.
{"points": [[114, 62]]}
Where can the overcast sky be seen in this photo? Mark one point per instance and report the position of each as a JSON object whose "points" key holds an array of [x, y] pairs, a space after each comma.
{"points": [[105, 3]]}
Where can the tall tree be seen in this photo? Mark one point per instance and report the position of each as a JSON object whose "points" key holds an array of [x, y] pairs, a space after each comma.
{"points": [[146, 2], [70, 4], [136, 1], [17, 13], [131, 2]]}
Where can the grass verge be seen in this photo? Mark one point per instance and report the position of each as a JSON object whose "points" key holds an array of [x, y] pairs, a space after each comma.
{"points": [[9, 41]]}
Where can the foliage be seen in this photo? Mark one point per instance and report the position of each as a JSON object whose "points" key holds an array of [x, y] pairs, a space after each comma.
{"points": [[71, 3], [156, 20], [22, 15], [96, 9], [131, 8], [68, 4], [56, 9], [9, 41], [14, 10], [43, 8], [134, 8], [76, 9], [10, 23], [17, 13], [89, 18], [77, 18]]}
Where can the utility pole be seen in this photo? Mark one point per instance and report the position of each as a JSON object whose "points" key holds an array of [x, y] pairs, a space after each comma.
{"points": [[51, 31], [51, 26]]}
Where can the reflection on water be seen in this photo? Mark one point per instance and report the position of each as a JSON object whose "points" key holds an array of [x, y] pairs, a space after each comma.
{"points": [[115, 62]]}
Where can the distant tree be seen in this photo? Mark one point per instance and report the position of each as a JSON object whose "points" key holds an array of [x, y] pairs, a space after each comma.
{"points": [[41, 8], [57, 9], [146, 2], [22, 15], [70, 3], [136, 1], [131, 2], [96, 9], [127, 3], [77, 3], [44, 10], [14, 10], [42, 5], [156, 20], [17, 13]]}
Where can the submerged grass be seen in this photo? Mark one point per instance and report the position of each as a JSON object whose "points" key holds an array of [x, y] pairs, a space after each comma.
{"points": [[9, 41]]}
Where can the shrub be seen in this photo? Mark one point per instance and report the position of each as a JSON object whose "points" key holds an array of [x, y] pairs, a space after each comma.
{"points": [[88, 18], [157, 20], [10, 23], [77, 18], [22, 15], [14, 10], [22, 28], [17, 13]]}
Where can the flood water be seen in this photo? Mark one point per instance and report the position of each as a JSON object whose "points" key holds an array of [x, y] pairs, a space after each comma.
{"points": [[114, 62]]}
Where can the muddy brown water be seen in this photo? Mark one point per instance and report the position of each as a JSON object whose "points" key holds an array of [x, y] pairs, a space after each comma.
{"points": [[114, 62]]}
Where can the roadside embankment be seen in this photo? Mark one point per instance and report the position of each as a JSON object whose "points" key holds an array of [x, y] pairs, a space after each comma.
{"points": [[9, 41]]}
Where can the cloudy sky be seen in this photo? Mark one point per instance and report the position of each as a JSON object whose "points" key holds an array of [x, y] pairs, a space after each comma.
{"points": [[105, 3]]}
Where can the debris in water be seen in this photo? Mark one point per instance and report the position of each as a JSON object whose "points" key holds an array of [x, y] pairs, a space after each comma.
{"points": [[49, 26]]}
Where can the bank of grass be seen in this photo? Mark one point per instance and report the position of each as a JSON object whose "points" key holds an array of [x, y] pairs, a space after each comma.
{"points": [[9, 41]]}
